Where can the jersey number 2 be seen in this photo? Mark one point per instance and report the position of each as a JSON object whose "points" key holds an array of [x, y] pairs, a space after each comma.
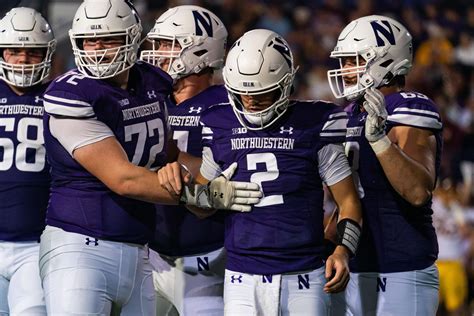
{"points": [[271, 174]]}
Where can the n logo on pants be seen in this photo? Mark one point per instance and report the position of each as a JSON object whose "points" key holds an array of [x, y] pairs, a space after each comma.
{"points": [[381, 284], [203, 263], [303, 281]]}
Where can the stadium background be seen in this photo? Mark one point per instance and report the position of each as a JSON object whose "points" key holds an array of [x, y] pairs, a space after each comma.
{"points": [[443, 38]]}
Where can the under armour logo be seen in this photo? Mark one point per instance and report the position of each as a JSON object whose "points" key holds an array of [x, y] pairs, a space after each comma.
{"points": [[195, 110], [37, 99], [283, 130], [95, 241], [221, 195], [151, 94], [234, 278]]}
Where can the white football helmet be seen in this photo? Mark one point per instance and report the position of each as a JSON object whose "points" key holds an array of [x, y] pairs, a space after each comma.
{"points": [[25, 28], [259, 62], [105, 18], [201, 35], [384, 44]]}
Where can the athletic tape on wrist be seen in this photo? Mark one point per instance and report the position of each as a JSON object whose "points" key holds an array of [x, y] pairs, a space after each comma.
{"points": [[380, 145], [348, 234]]}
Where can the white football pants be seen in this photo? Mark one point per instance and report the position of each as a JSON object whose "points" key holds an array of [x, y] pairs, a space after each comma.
{"points": [[295, 294], [20, 284], [389, 294], [190, 285], [87, 276]]}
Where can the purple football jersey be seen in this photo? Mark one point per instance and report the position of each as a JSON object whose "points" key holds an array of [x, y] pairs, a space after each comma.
{"points": [[397, 236], [284, 231], [24, 171], [79, 201], [179, 232]]}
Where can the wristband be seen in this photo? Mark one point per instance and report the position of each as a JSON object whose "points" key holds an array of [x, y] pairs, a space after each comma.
{"points": [[348, 234]]}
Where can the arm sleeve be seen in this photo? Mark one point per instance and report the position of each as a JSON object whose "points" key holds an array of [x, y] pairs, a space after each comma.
{"points": [[73, 134], [209, 168], [333, 164]]}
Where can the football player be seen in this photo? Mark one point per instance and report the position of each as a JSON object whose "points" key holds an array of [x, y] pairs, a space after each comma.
{"points": [[394, 143], [27, 45], [187, 252], [275, 253], [106, 131]]}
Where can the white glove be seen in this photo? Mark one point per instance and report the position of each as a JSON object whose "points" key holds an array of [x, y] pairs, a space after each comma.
{"points": [[376, 120], [223, 194], [374, 104]]}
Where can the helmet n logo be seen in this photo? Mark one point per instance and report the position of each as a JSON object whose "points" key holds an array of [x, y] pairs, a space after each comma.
{"points": [[384, 30], [203, 19], [284, 50]]}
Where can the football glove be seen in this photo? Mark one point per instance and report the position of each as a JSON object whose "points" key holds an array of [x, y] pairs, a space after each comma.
{"points": [[221, 193], [375, 122], [377, 115]]}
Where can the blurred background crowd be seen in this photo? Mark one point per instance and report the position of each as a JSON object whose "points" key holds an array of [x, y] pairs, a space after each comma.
{"points": [[443, 33]]}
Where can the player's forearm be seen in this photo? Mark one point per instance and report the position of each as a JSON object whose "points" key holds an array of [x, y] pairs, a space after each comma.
{"points": [[142, 184], [347, 200], [350, 208], [408, 177], [191, 162]]}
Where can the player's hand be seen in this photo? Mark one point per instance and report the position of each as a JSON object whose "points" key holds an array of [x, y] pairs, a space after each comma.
{"points": [[233, 195], [374, 105], [172, 176], [337, 270], [223, 194]]}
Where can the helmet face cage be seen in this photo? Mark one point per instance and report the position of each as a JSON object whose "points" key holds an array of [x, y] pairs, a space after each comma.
{"points": [[258, 63], [383, 43], [26, 28], [201, 36], [336, 76], [103, 19], [91, 62], [158, 57]]}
